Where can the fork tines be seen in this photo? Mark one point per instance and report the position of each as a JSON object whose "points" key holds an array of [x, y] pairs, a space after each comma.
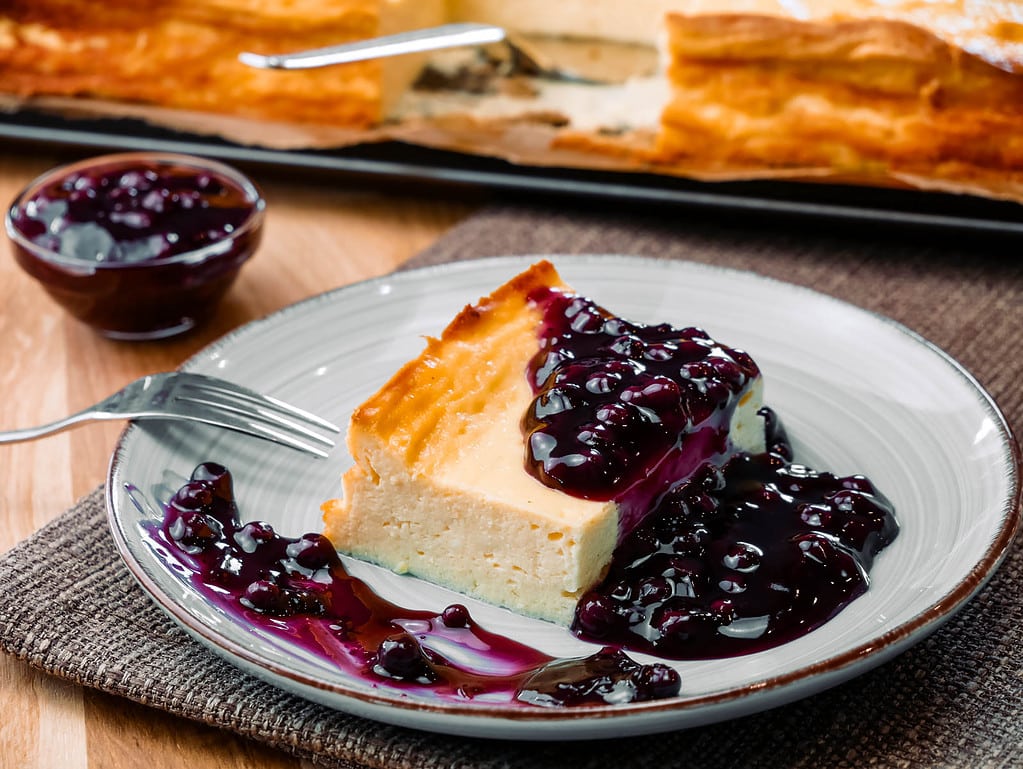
{"points": [[235, 407]]}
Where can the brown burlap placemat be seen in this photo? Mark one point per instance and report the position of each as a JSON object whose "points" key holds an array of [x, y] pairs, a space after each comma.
{"points": [[956, 700]]}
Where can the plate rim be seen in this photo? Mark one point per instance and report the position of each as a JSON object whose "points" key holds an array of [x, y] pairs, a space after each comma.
{"points": [[876, 650]]}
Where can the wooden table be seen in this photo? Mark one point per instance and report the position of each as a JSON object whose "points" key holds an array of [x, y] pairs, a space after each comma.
{"points": [[320, 234]]}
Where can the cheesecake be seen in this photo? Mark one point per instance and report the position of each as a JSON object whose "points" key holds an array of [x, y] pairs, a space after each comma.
{"points": [[508, 459]]}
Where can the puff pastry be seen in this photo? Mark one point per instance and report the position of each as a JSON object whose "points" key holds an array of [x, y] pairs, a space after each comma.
{"points": [[926, 93], [184, 55], [875, 98]]}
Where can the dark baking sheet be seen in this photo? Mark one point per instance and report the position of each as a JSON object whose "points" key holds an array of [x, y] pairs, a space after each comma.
{"points": [[394, 162]]}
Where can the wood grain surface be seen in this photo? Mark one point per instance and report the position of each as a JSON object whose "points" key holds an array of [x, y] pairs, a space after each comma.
{"points": [[321, 233]]}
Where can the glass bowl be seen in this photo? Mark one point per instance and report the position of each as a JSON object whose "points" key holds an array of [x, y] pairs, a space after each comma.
{"points": [[138, 245]]}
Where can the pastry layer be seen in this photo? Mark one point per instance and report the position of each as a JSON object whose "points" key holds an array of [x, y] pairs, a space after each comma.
{"points": [[185, 55], [867, 98], [922, 93]]}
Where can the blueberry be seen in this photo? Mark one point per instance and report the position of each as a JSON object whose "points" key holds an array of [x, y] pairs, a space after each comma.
{"points": [[616, 415], [729, 371], [628, 346], [250, 536], [638, 546], [701, 502], [733, 584], [194, 530], [745, 362], [689, 351], [816, 516], [194, 495], [587, 321], [602, 382], [312, 551], [655, 682], [691, 541], [265, 596], [154, 201], [708, 477], [858, 483], [816, 548], [556, 401], [455, 616], [660, 351], [742, 557], [218, 478], [654, 590], [400, 656], [310, 600], [698, 369], [596, 616], [621, 591], [723, 610], [659, 393], [717, 392]]}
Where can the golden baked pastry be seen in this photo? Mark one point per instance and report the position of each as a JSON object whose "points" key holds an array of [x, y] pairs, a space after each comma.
{"points": [[184, 54], [922, 93], [936, 103]]}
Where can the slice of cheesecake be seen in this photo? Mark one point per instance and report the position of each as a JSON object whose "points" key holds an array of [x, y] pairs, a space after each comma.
{"points": [[487, 466]]}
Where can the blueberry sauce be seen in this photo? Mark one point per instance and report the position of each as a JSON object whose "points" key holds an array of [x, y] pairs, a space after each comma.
{"points": [[739, 559], [138, 245], [720, 553], [299, 587], [622, 410], [128, 213]]}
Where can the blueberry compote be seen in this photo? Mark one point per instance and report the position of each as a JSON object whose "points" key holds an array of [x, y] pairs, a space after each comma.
{"points": [[739, 559], [137, 245], [299, 587], [622, 410], [720, 552], [132, 212]]}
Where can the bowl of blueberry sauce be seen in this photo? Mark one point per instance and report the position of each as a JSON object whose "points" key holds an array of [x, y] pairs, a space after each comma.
{"points": [[137, 245]]}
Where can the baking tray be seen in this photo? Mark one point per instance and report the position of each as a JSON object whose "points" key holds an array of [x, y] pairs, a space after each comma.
{"points": [[395, 162]]}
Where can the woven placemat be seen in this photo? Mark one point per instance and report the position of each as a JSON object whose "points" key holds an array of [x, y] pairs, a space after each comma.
{"points": [[71, 609]]}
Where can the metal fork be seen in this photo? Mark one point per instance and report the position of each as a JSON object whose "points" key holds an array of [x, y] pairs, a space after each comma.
{"points": [[467, 34], [199, 398]]}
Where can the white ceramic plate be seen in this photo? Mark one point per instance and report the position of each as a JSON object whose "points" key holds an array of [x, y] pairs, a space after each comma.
{"points": [[857, 392]]}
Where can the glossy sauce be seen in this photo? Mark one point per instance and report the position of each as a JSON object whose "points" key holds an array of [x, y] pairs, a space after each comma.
{"points": [[140, 245], [738, 560], [719, 554], [622, 410], [128, 213], [300, 588]]}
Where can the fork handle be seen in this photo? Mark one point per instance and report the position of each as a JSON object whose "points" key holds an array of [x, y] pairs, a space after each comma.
{"points": [[31, 433], [416, 41]]}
